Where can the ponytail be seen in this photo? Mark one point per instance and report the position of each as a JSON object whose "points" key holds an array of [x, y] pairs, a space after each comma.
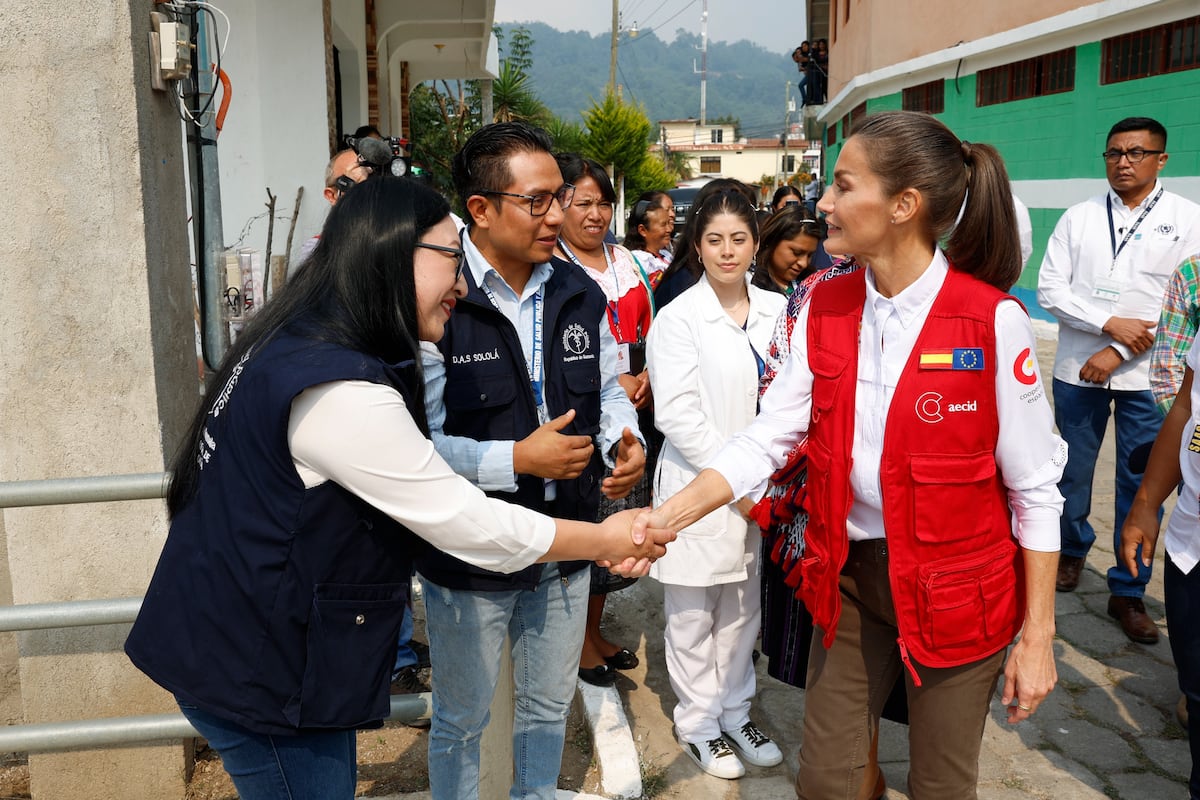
{"points": [[985, 242]]}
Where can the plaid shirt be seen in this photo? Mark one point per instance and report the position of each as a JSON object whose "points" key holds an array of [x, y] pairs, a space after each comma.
{"points": [[1177, 324]]}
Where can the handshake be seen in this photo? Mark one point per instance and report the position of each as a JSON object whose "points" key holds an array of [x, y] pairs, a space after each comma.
{"points": [[634, 539]]}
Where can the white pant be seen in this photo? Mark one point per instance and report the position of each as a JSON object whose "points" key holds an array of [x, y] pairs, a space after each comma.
{"points": [[710, 636]]}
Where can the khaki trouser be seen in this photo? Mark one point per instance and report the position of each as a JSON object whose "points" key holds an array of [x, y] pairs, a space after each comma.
{"points": [[849, 682]]}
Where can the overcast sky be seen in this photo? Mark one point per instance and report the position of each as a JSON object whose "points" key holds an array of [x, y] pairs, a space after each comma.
{"points": [[777, 25]]}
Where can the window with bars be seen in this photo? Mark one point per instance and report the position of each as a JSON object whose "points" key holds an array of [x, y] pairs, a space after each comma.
{"points": [[710, 165], [1051, 73], [855, 116], [928, 97], [831, 135], [1173, 47], [718, 135]]}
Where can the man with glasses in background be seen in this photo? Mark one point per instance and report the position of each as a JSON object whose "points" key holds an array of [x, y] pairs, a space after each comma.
{"points": [[525, 403], [1103, 277]]}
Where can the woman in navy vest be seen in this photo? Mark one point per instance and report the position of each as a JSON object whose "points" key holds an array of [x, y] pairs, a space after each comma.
{"points": [[932, 535], [304, 490]]}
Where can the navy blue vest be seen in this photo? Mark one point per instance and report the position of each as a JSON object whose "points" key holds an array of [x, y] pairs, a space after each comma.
{"points": [[272, 605], [488, 398]]}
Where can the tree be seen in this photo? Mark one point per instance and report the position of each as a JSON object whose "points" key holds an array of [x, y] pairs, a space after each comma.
{"points": [[513, 98], [618, 135], [442, 119]]}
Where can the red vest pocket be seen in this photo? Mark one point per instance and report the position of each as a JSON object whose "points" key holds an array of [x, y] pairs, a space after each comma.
{"points": [[951, 500], [967, 599]]}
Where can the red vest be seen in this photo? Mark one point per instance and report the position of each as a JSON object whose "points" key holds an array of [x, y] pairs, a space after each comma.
{"points": [[955, 569]]}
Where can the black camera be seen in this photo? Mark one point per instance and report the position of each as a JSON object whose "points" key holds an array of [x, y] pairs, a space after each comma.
{"points": [[383, 156]]}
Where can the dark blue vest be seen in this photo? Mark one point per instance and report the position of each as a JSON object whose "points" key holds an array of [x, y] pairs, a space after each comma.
{"points": [[272, 605], [488, 398]]}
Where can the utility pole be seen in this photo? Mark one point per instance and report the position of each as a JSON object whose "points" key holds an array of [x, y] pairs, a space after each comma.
{"points": [[612, 60], [703, 61], [787, 113]]}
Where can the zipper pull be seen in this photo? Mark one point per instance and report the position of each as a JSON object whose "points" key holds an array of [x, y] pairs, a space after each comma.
{"points": [[907, 663]]}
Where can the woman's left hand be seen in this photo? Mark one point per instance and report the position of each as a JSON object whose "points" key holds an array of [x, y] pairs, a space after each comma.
{"points": [[1030, 673], [1029, 676]]}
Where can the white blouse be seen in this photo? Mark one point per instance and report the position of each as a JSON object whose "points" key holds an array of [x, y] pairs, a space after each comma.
{"points": [[361, 436]]}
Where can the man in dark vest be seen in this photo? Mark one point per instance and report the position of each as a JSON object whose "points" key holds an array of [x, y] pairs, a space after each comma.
{"points": [[524, 401]]}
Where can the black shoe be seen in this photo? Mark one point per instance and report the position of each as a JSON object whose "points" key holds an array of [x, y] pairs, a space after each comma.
{"points": [[409, 681], [421, 651], [623, 659], [603, 675]]}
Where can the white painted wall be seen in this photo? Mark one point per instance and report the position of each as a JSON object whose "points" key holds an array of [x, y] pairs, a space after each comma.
{"points": [[276, 133]]}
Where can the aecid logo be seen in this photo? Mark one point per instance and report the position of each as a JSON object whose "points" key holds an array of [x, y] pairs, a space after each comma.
{"points": [[929, 407]]}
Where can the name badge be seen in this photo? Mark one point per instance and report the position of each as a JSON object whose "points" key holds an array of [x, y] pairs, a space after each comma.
{"points": [[624, 364], [1107, 289]]}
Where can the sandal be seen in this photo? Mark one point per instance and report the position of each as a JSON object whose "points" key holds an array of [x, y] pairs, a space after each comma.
{"points": [[622, 659]]}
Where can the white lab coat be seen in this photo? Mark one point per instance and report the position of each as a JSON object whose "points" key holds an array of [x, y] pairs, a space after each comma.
{"points": [[705, 382]]}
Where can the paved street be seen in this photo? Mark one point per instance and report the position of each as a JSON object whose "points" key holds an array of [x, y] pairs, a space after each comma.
{"points": [[1107, 731]]}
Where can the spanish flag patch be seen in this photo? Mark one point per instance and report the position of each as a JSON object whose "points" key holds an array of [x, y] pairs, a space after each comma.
{"points": [[969, 358]]}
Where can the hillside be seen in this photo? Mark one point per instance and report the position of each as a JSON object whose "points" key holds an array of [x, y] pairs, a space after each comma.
{"points": [[745, 81]]}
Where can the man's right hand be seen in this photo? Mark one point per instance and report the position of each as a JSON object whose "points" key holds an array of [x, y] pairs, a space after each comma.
{"points": [[1136, 334], [547, 453]]}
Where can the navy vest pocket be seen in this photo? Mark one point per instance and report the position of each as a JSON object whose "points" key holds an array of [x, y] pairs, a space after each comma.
{"points": [[351, 647]]}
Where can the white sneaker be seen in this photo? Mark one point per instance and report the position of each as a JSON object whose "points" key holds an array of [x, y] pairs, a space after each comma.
{"points": [[715, 758], [754, 746]]}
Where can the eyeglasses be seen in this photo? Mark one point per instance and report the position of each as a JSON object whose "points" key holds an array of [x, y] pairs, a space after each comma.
{"points": [[1135, 156], [539, 204], [460, 256]]}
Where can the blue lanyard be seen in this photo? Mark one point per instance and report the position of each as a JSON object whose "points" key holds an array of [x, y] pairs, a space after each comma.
{"points": [[612, 305], [534, 370], [1112, 234]]}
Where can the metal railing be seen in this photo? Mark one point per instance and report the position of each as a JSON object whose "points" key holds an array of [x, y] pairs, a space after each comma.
{"points": [[49, 737]]}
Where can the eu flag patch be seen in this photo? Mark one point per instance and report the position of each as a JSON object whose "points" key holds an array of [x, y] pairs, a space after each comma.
{"points": [[958, 358]]}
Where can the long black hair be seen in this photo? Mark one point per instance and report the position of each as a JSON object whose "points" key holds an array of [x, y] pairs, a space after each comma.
{"points": [[356, 290]]}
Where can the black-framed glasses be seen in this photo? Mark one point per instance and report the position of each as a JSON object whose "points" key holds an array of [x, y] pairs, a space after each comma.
{"points": [[459, 254], [1135, 156], [539, 204]]}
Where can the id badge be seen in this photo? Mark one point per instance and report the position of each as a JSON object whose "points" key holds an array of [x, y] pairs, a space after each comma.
{"points": [[624, 365], [1107, 289]]}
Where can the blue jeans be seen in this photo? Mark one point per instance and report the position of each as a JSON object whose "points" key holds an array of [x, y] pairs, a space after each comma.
{"points": [[405, 657], [1182, 594], [321, 765], [466, 642], [1081, 413]]}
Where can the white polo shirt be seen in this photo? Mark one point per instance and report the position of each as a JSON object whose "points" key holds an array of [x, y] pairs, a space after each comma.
{"points": [[1082, 285]]}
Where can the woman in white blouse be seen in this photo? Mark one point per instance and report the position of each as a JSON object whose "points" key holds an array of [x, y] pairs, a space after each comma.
{"points": [[705, 356], [298, 497], [933, 465]]}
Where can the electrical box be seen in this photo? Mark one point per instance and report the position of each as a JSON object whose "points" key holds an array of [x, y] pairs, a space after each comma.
{"points": [[170, 50]]}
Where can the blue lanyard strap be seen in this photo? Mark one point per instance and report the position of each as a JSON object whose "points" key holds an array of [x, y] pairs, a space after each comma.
{"points": [[534, 369], [1112, 233]]}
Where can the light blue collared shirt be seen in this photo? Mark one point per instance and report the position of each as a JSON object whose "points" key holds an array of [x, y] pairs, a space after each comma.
{"points": [[489, 465]]}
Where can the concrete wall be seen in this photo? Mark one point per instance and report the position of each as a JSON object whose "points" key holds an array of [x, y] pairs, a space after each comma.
{"points": [[276, 133], [96, 354]]}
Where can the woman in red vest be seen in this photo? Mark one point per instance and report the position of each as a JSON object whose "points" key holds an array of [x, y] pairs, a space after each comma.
{"points": [[933, 466]]}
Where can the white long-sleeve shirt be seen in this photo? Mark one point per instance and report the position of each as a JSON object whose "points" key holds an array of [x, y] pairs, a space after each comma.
{"points": [[361, 436], [1029, 455], [1083, 287]]}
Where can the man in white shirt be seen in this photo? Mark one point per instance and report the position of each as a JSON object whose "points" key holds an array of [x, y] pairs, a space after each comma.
{"points": [[1103, 277]]}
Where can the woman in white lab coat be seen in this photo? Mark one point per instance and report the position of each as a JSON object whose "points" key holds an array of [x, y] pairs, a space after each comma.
{"points": [[705, 358]]}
